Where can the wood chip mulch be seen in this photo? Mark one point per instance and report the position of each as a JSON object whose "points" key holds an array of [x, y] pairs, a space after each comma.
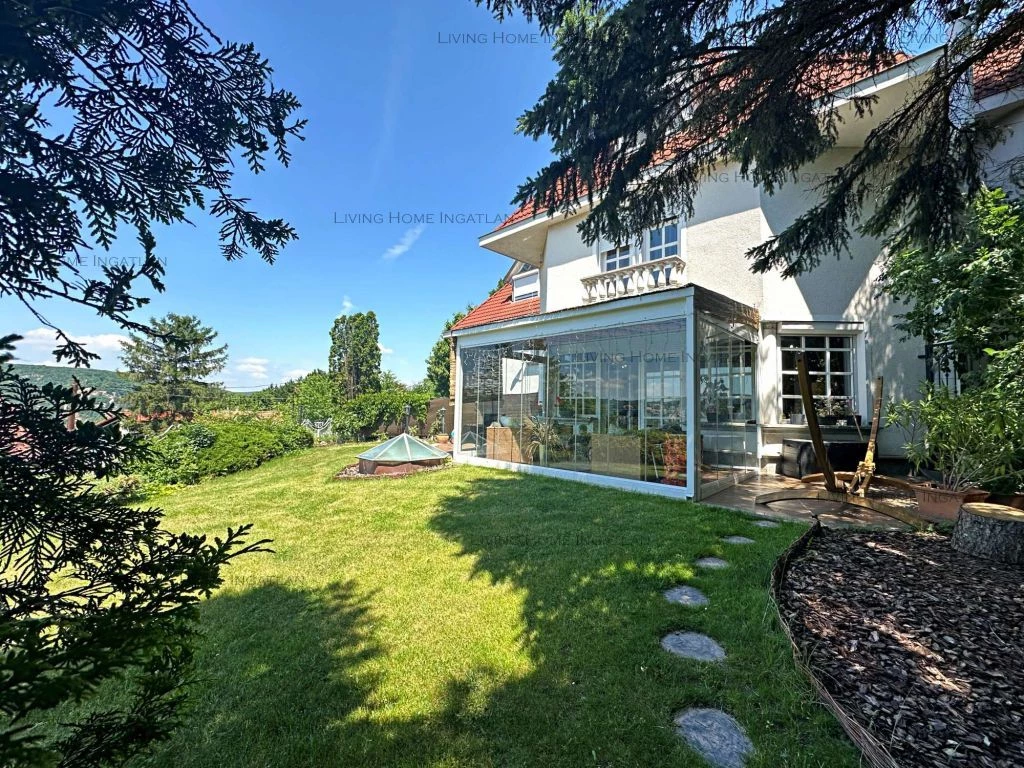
{"points": [[921, 645]]}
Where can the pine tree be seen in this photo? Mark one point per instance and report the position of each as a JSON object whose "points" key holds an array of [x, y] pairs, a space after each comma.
{"points": [[170, 364], [355, 356], [154, 111], [685, 85]]}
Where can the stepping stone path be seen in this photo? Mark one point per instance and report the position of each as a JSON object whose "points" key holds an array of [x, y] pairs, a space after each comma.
{"points": [[738, 540], [691, 645], [716, 736], [688, 596], [715, 563], [713, 734], [766, 524]]}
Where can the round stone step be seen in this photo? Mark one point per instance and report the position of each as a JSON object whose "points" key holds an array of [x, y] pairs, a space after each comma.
{"points": [[738, 540], [766, 524], [716, 736], [691, 645], [688, 596], [715, 563]]}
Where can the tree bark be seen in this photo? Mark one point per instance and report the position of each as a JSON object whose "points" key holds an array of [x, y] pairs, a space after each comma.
{"points": [[991, 531]]}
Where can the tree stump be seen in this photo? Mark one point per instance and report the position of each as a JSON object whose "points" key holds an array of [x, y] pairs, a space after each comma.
{"points": [[991, 531]]}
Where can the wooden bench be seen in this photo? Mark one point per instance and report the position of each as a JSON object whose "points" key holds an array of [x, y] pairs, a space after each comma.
{"points": [[991, 531]]}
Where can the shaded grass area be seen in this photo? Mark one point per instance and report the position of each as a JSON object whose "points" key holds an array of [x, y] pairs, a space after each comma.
{"points": [[474, 618]]}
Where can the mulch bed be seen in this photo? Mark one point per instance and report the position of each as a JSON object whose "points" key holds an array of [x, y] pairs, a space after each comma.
{"points": [[921, 646], [352, 472]]}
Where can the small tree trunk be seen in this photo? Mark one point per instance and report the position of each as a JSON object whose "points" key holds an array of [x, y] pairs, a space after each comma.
{"points": [[991, 531]]}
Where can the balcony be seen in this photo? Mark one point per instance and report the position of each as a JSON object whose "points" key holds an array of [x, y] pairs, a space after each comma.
{"points": [[634, 280]]}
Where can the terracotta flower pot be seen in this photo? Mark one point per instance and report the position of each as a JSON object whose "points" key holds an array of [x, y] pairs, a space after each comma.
{"points": [[943, 506], [1015, 500]]}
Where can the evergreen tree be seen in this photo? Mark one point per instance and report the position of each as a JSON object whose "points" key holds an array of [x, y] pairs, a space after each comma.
{"points": [[354, 361], [439, 362], [686, 85], [154, 110], [170, 363]]}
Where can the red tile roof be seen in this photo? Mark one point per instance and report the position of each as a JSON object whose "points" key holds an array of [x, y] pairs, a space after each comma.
{"points": [[498, 308], [1000, 72]]}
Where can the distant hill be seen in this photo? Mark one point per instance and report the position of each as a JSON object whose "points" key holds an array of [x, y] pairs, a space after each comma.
{"points": [[109, 385]]}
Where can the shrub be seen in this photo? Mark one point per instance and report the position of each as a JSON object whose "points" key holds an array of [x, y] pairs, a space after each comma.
{"points": [[369, 414], [970, 439], [211, 446]]}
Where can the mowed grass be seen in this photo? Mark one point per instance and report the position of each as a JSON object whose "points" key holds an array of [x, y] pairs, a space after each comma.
{"points": [[476, 618]]}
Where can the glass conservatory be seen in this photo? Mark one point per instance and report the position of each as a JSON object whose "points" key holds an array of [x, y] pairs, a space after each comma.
{"points": [[627, 401]]}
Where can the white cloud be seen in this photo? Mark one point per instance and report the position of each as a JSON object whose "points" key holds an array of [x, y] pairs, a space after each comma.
{"points": [[385, 350], [254, 367], [37, 346], [295, 373], [402, 246], [346, 306]]}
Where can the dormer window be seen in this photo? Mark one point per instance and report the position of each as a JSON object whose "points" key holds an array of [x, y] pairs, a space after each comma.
{"points": [[526, 285]]}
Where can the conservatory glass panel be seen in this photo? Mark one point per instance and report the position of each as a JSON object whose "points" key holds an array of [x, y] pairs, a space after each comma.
{"points": [[610, 401]]}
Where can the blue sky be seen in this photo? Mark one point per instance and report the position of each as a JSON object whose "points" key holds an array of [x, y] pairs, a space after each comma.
{"points": [[412, 108]]}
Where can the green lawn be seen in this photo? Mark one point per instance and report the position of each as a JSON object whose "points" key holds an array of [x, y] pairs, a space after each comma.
{"points": [[475, 618]]}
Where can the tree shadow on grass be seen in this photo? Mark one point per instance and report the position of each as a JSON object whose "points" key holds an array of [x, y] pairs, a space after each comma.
{"points": [[275, 666], [283, 678], [592, 565], [290, 677]]}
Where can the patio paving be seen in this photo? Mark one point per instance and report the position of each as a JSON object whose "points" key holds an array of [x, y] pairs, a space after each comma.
{"points": [[741, 497]]}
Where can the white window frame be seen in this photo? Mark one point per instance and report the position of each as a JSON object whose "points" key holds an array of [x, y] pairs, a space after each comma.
{"points": [[854, 348], [616, 254], [639, 253], [532, 279], [649, 249]]}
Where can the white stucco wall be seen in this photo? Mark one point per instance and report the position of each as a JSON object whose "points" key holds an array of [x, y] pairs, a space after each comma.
{"points": [[726, 223], [567, 260], [730, 217], [999, 166], [843, 291]]}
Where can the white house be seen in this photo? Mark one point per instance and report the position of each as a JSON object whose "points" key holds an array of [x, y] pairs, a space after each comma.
{"points": [[668, 366]]}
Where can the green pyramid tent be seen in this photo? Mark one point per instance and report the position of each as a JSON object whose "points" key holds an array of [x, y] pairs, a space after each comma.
{"points": [[404, 449]]}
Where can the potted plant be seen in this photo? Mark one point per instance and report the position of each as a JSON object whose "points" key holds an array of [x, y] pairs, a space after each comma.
{"points": [[714, 398], [543, 436], [964, 439], [831, 411]]}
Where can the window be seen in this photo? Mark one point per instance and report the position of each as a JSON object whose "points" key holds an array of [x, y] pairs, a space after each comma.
{"points": [[526, 285], [619, 257], [659, 243], [663, 389], [577, 394], [663, 241], [830, 366]]}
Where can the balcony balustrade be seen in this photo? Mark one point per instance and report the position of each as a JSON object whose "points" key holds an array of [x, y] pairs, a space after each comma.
{"points": [[634, 280]]}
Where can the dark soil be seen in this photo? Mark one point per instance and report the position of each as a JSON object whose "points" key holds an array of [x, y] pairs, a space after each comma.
{"points": [[923, 646]]}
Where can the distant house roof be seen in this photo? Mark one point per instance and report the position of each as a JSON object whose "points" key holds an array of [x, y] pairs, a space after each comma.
{"points": [[499, 307]]}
